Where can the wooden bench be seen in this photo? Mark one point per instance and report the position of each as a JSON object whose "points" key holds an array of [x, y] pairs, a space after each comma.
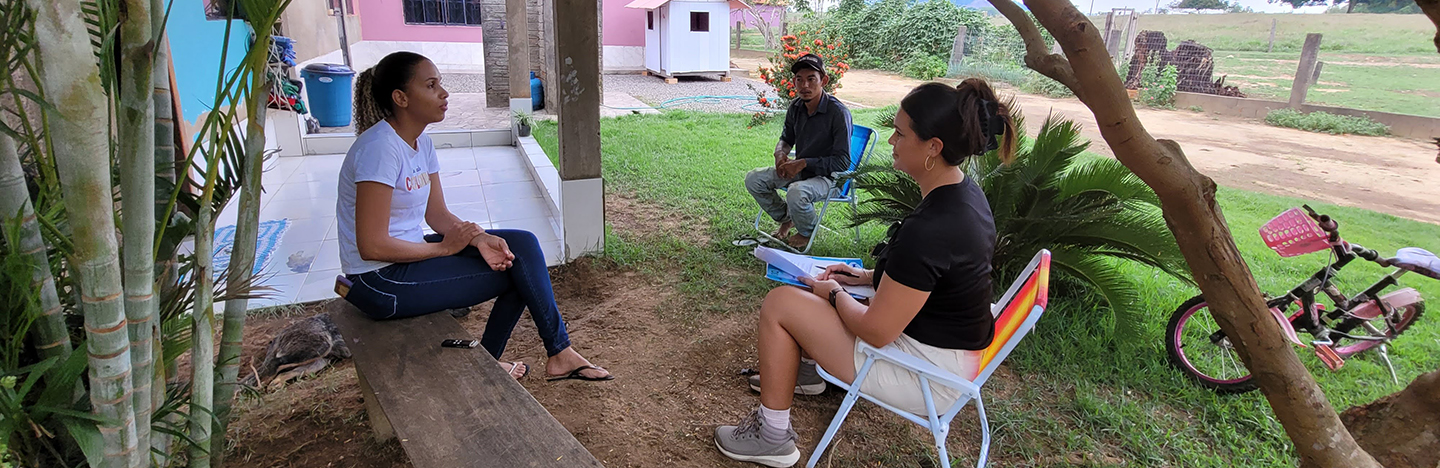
{"points": [[450, 408]]}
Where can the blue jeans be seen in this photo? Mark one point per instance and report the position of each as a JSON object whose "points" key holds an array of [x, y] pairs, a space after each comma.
{"points": [[798, 205], [462, 280]]}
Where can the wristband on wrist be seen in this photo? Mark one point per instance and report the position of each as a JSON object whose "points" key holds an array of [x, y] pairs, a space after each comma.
{"points": [[834, 292]]}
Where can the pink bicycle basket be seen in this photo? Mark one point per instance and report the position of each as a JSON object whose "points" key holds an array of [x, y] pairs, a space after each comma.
{"points": [[1294, 233]]}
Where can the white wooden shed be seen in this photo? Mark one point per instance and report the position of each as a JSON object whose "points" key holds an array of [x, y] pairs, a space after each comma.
{"points": [[687, 37]]}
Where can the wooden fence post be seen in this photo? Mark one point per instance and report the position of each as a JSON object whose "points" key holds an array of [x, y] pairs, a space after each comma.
{"points": [[1306, 72], [1273, 23]]}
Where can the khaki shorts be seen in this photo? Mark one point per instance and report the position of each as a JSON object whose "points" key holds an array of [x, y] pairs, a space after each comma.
{"points": [[900, 387]]}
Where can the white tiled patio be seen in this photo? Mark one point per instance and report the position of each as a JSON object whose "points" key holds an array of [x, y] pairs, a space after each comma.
{"points": [[494, 186]]}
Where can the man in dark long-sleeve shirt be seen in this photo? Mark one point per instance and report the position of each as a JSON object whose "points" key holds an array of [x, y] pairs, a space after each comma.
{"points": [[817, 126]]}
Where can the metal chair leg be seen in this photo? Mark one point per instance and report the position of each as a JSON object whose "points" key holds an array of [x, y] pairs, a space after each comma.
{"points": [[852, 395]]}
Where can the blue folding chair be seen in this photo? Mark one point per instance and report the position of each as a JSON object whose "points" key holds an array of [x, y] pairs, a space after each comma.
{"points": [[862, 144]]}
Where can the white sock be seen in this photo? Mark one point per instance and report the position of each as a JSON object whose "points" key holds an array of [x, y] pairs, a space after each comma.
{"points": [[776, 429]]}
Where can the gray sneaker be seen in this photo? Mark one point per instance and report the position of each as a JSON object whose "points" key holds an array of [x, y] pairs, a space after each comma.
{"points": [[744, 443], [807, 380]]}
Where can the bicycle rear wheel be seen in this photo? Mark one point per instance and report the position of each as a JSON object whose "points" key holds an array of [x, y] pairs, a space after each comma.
{"points": [[1198, 348], [1403, 317]]}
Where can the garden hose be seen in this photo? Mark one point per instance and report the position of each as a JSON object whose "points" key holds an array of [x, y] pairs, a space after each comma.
{"points": [[753, 106]]}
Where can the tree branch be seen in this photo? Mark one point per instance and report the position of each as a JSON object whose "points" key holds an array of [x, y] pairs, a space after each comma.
{"points": [[1432, 10], [1188, 200], [1037, 57]]}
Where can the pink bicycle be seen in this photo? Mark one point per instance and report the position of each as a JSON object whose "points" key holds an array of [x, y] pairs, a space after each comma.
{"points": [[1368, 320]]}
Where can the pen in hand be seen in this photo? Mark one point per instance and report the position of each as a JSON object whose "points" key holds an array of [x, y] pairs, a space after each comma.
{"points": [[840, 272]]}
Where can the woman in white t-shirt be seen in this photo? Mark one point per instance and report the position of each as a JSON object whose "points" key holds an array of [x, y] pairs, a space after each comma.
{"points": [[390, 184]]}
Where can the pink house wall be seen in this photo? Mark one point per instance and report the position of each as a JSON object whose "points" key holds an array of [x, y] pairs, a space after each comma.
{"points": [[622, 26], [773, 15], [384, 20]]}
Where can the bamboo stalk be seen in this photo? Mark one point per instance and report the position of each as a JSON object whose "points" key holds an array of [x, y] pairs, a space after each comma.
{"points": [[164, 142], [137, 175], [202, 360], [72, 81], [242, 256], [50, 335]]}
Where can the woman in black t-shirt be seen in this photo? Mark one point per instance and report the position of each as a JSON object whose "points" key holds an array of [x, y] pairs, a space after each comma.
{"points": [[932, 280]]}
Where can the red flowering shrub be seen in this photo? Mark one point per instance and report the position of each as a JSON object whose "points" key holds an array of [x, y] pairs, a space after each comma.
{"points": [[825, 44]]}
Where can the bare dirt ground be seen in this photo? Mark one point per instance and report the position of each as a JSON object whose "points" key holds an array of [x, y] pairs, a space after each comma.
{"points": [[1397, 176], [676, 361]]}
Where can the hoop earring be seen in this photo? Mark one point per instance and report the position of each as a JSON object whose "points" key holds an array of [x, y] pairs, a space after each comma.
{"points": [[930, 163]]}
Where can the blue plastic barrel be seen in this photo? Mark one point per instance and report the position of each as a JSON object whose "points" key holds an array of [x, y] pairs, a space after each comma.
{"points": [[537, 93], [329, 87]]}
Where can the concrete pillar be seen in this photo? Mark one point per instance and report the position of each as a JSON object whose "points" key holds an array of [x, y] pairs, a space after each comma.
{"points": [[517, 26], [1306, 72], [577, 54]]}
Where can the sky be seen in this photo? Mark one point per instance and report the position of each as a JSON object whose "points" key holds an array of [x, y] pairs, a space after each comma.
{"points": [[1145, 6]]}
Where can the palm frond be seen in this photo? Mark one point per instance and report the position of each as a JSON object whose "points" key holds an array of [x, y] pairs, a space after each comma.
{"points": [[1051, 151], [1090, 211], [1105, 175], [1117, 289]]}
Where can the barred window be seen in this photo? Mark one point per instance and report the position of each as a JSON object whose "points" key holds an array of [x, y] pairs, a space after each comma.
{"points": [[460, 12]]}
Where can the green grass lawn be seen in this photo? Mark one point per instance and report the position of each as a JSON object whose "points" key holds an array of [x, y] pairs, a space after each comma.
{"points": [[1396, 84], [1077, 388]]}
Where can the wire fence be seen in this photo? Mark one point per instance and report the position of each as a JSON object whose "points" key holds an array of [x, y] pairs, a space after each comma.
{"points": [[998, 54]]}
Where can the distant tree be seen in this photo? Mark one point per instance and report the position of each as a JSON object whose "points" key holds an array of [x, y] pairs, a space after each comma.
{"points": [[1301, 3], [1201, 4], [1383, 6], [803, 6]]}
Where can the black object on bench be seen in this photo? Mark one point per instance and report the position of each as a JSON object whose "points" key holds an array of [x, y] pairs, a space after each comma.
{"points": [[450, 408]]}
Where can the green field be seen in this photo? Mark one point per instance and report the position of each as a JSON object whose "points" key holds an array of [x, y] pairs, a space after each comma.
{"points": [[1395, 83], [1382, 63], [1352, 34]]}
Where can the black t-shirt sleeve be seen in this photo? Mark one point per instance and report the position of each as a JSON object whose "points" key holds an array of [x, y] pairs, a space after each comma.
{"points": [[912, 259]]}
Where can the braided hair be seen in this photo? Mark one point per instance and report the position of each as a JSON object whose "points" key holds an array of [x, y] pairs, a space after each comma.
{"points": [[376, 85], [967, 118]]}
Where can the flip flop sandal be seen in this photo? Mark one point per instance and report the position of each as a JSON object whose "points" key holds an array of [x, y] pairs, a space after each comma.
{"points": [[744, 242], [522, 374], [575, 374]]}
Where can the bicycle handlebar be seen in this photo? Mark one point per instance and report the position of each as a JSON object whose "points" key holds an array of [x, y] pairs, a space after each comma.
{"points": [[1326, 222]]}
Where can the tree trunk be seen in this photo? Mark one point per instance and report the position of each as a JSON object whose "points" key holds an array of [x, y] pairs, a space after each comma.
{"points": [[242, 256], [51, 337], [1188, 199], [137, 186], [1401, 430], [72, 83]]}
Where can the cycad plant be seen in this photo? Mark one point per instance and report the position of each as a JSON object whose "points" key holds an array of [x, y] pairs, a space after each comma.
{"points": [[1090, 211]]}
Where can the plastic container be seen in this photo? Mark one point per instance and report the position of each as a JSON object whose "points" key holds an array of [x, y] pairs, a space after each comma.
{"points": [[537, 93], [329, 88], [1294, 233]]}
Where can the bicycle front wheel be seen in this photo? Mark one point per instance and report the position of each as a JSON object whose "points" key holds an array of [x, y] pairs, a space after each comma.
{"points": [[1199, 349]]}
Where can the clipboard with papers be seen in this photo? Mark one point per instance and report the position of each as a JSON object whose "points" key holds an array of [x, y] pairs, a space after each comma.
{"points": [[788, 268]]}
